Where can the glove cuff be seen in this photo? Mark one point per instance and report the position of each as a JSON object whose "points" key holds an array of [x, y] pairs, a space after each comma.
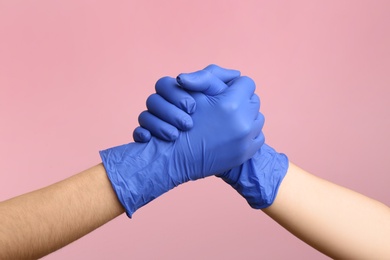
{"points": [[259, 178], [137, 172]]}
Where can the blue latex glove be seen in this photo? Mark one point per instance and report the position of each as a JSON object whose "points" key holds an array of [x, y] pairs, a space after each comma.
{"points": [[257, 180], [165, 123], [225, 133]]}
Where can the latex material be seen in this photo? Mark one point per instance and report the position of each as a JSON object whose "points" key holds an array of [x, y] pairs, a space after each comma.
{"points": [[152, 121], [226, 132], [259, 178]]}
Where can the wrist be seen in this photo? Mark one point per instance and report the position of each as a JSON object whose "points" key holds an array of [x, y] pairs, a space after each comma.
{"points": [[137, 172], [259, 178]]}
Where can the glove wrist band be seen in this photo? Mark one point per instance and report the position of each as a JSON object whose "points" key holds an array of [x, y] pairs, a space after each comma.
{"points": [[137, 172]]}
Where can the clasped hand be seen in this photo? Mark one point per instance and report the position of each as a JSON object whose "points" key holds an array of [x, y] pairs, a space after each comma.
{"points": [[257, 179], [224, 132]]}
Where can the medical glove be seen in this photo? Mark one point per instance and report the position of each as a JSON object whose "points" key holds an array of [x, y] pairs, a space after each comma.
{"points": [[166, 123], [225, 133], [258, 179]]}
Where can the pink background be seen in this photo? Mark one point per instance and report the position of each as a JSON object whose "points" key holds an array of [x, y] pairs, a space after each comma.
{"points": [[74, 75]]}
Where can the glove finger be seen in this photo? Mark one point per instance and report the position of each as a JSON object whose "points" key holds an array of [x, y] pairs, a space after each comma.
{"points": [[259, 141], [201, 81], [223, 74], [258, 125], [256, 135], [242, 89], [158, 127], [169, 113], [168, 88], [255, 102], [141, 135]]}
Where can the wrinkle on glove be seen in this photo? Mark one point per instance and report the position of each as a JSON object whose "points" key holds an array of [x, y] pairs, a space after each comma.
{"points": [[226, 132], [259, 178], [138, 172]]}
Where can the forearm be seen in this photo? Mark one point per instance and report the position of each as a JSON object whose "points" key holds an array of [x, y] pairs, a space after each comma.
{"points": [[35, 224], [337, 221]]}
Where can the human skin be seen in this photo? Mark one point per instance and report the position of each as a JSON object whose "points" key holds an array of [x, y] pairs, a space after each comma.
{"points": [[37, 223], [337, 221]]}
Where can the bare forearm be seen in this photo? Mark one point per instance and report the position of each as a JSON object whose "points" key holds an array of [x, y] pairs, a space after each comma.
{"points": [[337, 221], [35, 224]]}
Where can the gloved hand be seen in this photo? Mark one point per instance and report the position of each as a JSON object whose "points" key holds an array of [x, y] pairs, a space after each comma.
{"points": [[257, 180], [225, 133], [166, 123]]}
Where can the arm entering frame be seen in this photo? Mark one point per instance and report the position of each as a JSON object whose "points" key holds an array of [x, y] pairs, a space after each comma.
{"points": [[40, 222], [337, 221]]}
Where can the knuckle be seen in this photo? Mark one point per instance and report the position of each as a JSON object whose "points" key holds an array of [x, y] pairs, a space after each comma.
{"points": [[163, 82], [207, 74], [256, 100], [246, 129], [230, 106], [185, 122], [211, 68], [262, 138], [248, 82], [151, 99], [142, 117], [262, 119], [141, 135]]}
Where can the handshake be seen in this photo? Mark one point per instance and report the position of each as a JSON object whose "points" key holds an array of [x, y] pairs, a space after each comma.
{"points": [[197, 125]]}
